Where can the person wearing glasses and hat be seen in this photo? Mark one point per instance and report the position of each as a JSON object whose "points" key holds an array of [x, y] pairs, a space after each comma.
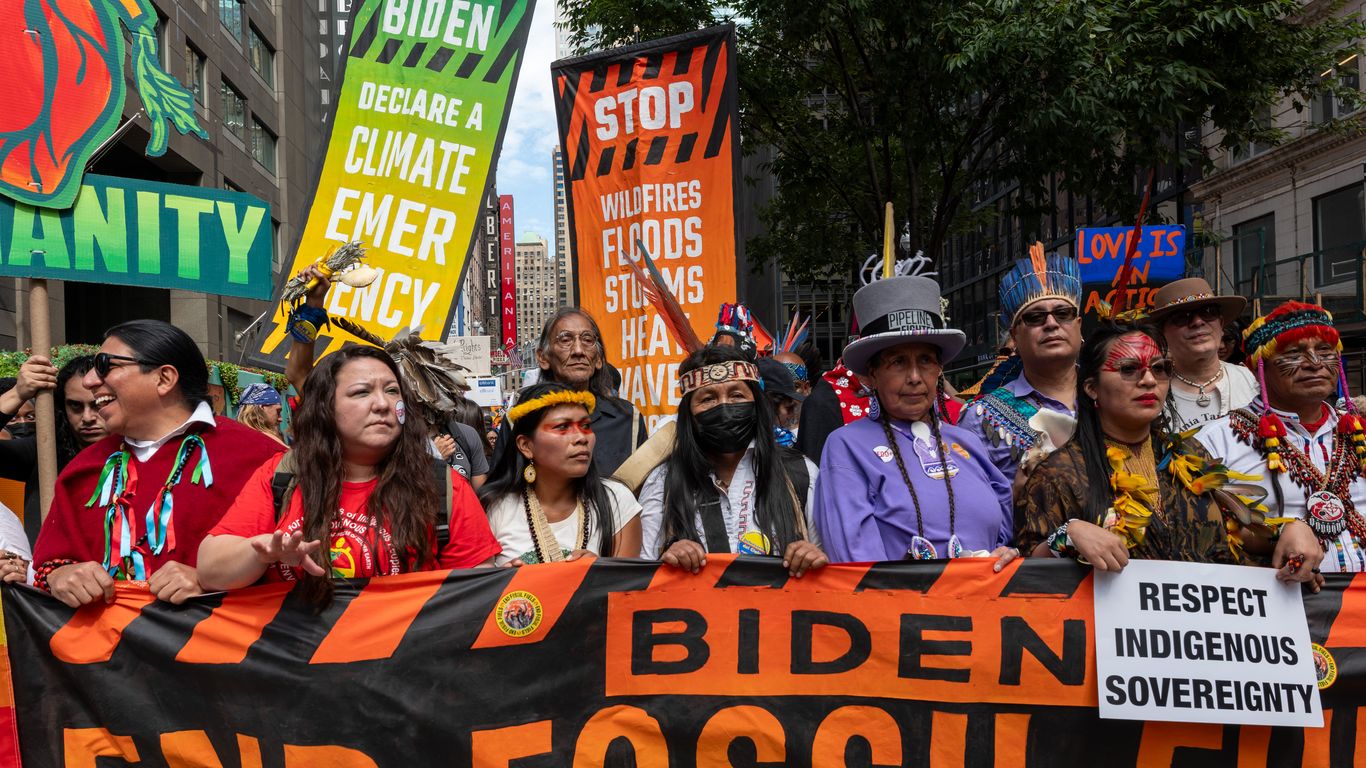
{"points": [[901, 483], [135, 505], [1040, 301], [1192, 320]]}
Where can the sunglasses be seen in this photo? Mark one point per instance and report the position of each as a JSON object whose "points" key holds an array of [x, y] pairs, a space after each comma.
{"points": [[1132, 371], [1039, 317], [104, 362], [1208, 313]]}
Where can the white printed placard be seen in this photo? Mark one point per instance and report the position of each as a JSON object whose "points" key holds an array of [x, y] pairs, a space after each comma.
{"points": [[1196, 643]]}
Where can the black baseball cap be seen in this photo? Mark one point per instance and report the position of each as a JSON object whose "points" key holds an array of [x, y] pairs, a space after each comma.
{"points": [[778, 379]]}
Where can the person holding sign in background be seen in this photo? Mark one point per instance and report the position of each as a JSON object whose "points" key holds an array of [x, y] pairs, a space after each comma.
{"points": [[1192, 320], [1309, 454], [1124, 487], [901, 483], [135, 505], [570, 352], [728, 486], [545, 500]]}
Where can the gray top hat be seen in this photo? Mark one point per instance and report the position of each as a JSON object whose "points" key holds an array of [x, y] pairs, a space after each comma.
{"points": [[897, 310]]}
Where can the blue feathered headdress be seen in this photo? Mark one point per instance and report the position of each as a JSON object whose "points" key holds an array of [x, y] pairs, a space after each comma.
{"points": [[1035, 278]]}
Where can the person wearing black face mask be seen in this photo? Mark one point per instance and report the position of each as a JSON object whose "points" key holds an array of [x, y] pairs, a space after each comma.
{"points": [[728, 486]]}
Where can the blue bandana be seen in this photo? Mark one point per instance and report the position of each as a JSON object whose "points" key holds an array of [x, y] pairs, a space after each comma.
{"points": [[260, 394]]}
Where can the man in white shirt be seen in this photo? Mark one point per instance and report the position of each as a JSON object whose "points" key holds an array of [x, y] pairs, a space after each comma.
{"points": [[1192, 320]]}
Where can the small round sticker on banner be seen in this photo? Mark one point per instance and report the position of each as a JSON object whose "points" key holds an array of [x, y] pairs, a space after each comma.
{"points": [[752, 543], [884, 453], [518, 614], [1325, 667], [1327, 515], [401, 412]]}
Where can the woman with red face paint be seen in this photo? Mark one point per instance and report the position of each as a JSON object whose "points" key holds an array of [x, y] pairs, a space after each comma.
{"points": [[1123, 487], [545, 499], [360, 481]]}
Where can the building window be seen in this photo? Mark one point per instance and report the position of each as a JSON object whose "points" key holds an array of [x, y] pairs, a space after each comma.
{"points": [[234, 110], [263, 145], [1329, 107], [1338, 235], [194, 70], [262, 57], [230, 14], [1254, 256], [1255, 148]]}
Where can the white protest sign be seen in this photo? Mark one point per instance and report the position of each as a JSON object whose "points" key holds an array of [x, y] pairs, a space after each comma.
{"points": [[1196, 643], [473, 353], [486, 392]]}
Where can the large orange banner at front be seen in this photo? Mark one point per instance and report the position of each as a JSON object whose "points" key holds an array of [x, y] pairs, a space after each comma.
{"points": [[650, 156]]}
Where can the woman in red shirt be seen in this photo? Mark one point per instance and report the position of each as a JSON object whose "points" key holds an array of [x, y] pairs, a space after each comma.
{"points": [[365, 487]]}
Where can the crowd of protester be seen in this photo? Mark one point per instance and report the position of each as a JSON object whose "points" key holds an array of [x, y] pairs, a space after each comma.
{"points": [[1141, 441]]}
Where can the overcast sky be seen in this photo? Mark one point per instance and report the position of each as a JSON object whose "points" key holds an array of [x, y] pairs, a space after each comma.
{"points": [[524, 168]]}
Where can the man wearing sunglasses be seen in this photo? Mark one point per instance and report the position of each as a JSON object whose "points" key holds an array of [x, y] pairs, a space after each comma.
{"points": [[1040, 310], [1192, 320]]}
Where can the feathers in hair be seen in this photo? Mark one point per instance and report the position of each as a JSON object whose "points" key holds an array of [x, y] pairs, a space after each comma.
{"points": [[1121, 303], [343, 263], [795, 333], [663, 300]]}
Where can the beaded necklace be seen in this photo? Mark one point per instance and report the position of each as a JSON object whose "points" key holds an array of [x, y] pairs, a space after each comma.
{"points": [[548, 549]]}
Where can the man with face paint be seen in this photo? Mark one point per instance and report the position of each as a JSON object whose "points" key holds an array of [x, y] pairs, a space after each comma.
{"points": [[1308, 453], [728, 486]]}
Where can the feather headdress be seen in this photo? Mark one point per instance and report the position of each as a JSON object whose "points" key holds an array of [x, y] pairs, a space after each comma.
{"points": [[344, 264], [794, 335], [430, 369], [1036, 278], [657, 291]]}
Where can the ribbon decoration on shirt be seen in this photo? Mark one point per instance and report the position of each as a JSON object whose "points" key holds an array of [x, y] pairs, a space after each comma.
{"points": [[114, 492], [160, 533]]}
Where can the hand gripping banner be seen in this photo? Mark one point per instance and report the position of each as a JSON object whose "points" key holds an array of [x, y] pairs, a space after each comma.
{"points": [[419, 120], [941, 664], [651, 156]]}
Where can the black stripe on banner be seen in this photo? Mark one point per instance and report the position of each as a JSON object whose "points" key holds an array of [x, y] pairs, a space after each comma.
{"points": [[390, 50], [657, 147], [366, 38], [415, 55], [1046, 577], [685, 146], [718, 132], [504, 13], [297, 628], [894, 576], [709, 71], [752, 572], [599, 78], [682, 61], [439, 59], [581, 155], [653, 62], [501, 63], [629, 161], [1323, 609], [605, 160], [470, 64], [625, 71]]}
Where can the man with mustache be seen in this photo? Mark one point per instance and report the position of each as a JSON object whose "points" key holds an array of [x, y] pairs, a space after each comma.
{"points": [[1040, 300], [1192, 320], [570, 351], [1308, 453]]}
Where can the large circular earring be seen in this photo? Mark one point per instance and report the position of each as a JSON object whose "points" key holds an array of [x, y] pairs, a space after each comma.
{"points": [[529, 474]]}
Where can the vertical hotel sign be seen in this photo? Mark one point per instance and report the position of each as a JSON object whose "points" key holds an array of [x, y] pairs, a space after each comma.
{"points": [[507, 271], [418, 122], [651, 156]]}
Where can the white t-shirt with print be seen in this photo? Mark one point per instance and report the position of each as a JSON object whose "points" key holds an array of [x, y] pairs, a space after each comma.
{"points": [[507, 518]]}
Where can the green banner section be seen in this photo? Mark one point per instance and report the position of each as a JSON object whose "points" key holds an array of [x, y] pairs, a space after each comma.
{"points": [[131, 232], [418, 121]]}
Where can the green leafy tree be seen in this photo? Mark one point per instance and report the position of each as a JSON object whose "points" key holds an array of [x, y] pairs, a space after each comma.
{"points": [[931, 105]]}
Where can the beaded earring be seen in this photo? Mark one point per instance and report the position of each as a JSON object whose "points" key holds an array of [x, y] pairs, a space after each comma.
{"points": [[529, 474], [1269, 427]]}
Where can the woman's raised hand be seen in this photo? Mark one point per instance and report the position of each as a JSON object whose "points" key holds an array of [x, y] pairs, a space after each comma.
{"points": [[288, 549]]}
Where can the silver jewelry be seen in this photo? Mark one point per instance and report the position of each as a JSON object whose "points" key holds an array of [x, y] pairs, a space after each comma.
{"points": [[1203, 398]]}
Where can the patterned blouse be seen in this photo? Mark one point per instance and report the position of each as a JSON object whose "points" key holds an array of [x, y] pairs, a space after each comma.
{"points": [[1189, 528]]}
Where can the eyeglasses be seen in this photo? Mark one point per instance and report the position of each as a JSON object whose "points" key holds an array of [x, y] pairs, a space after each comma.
{"points": [[1064, 314], [1132, 371], [104, 362], [566, 339], [1208, 313]]}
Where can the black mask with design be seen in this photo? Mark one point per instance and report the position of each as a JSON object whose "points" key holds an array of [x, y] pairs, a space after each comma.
{"points": [[22, 430], [726, 428]]}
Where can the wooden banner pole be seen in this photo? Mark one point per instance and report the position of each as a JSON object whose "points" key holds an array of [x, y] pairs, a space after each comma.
{"points": [[40, 337]]}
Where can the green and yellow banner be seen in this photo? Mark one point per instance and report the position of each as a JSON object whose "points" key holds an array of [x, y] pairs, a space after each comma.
{"points": [[416, 128]]}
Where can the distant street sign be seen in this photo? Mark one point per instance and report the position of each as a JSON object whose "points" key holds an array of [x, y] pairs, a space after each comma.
{"points": [[499, 357]]}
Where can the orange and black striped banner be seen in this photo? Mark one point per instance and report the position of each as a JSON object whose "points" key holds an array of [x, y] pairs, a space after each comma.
{"points": [[946, 665]]}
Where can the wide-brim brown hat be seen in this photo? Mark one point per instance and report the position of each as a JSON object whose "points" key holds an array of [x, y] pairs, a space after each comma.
{"points": [[1189, 293]]}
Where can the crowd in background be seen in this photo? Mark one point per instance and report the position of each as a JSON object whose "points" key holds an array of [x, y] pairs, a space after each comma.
{"points": [[1165, 434]]}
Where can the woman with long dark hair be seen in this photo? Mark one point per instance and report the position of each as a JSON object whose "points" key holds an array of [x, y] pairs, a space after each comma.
{"points": [[361, 480], [545, 499], [728, 486], [1124, 487]]}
